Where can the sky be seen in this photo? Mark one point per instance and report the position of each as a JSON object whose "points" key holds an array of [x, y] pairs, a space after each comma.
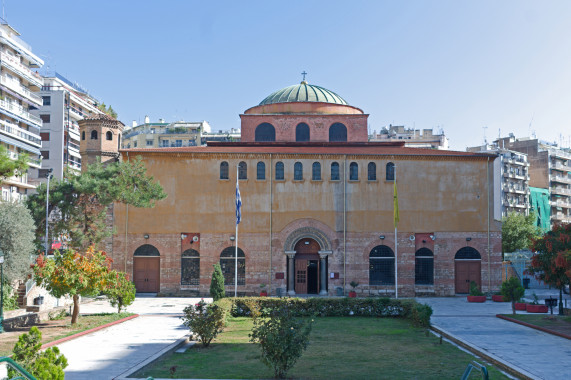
{"points": [[475, 69]]}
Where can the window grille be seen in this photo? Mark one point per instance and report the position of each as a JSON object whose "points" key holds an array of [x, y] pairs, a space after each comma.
{"points": [[227, 263], [381, 266], [190, 267]]}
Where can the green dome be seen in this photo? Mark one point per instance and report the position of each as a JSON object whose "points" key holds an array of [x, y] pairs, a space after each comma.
{"points": [[303, 92]]}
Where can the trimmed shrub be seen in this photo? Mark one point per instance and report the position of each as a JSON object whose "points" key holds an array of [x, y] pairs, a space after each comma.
{"points": [[217, 283], [282, 337], [204, 321], [120, 291], [512, 291]]}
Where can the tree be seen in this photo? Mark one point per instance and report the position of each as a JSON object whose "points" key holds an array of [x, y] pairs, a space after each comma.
{"points": [[217, 283], [79, 203], [70, 273], [552, 261], [120, 291], [512, 291], [518, 231], [16, 239], [9, 167], [48, 364], [108, 110], [204, 321]]}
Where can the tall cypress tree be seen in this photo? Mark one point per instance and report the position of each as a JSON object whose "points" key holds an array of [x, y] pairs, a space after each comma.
{"points": [[217, 283]]}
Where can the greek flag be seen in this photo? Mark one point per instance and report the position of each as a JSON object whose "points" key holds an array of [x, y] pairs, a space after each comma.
{"points": [[238, 204]]}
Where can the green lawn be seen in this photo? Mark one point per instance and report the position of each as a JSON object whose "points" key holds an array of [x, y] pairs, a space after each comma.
{"points": [[340, 348]]}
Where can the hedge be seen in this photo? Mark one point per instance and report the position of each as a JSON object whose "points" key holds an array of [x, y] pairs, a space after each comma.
{"points": [[417, 313]]}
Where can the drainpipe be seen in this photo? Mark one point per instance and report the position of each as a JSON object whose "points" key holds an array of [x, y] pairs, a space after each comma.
{"points": [[271, 203], [126, 226], [345, 225], [488, 196]]}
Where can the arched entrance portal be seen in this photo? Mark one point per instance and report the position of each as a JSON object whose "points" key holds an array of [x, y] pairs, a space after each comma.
{"points": [[306, 261], [467, 268], [146, 269]]}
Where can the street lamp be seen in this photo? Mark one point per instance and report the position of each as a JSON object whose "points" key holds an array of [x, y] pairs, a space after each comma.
{"points": [[49, 176], [1, 291]]}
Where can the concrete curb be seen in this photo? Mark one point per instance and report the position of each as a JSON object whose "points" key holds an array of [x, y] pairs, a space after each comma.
{"points": [[62, 340], [501, 363], [533, 326]]}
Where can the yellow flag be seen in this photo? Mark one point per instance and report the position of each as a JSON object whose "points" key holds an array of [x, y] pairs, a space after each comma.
{"points": [[396, 204]]}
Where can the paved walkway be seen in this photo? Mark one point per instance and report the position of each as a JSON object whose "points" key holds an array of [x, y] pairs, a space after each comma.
{"points": [[109, 353], [540, 355]]}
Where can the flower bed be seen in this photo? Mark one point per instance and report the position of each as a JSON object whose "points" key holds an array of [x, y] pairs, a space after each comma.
{"points": [[536, 308], [520, 306], [476, 298], [498, 298]]}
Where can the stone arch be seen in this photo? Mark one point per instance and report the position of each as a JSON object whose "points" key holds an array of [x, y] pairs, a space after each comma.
{"points": [[307, 232]]}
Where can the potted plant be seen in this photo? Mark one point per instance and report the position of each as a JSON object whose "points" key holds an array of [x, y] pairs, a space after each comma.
{"points": [[263, 292], [476, 294], [353, 293], [535, 307]]}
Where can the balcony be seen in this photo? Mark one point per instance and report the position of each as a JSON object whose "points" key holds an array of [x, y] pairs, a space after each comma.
{"points": [[20, 89], [32, 160], [559, 166], [560, 191], [20, 133], [561, 217], [565, 203], [560, 179], [517, 161], [20, 111], [13, 63]]}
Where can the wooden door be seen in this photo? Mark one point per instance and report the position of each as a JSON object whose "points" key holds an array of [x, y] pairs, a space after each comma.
{"points": [[146, 274], [466, 272], [301, 276]]}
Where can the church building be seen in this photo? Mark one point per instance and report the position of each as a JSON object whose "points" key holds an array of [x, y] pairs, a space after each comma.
{"points": [[317, 210]]}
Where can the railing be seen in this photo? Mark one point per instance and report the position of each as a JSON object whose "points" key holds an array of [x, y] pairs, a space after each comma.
{"points": [[559, 190], [22, 90], [560, 166], [16, 131], [16, 367], [73, 146], [20, 111], [25, 71], [29, 285], [559, 178], [560, 203]]}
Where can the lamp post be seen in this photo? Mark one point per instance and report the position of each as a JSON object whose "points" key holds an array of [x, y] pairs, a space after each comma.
{"points": [[49, 176], [1, 291]]}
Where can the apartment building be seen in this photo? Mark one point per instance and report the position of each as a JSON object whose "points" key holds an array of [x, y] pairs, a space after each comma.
{"points": [[511, 179], [64, 103], [233, 135], [413, 138], [19, 128], [550, 168], [164, 135]]}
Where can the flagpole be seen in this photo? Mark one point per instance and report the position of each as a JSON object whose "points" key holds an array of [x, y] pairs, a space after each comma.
{"points": [[395, 205], [236, 252]]}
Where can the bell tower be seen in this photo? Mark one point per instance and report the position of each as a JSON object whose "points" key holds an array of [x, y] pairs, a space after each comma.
{"points": [[100, 137]]}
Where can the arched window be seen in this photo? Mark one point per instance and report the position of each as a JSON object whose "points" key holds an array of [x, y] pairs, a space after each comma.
{"points": [[83, 135], [424, 267], [109, 135], [335, 171], [467, 253], [381, 266], [279, 171], [316, 171], [390, 172], [338, 132], [353, 171], [224, 170], [372, 171], [93, 135], [261, 170], [297, 171], [302, 132], [265, 132], [146, 250], [190, 267], [228, 265], [242, 170]]}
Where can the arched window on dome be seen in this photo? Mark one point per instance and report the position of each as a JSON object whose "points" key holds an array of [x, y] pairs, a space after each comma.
{"points": [[335, 171], [302, 132], [93, 135], [265, 132], [279, 171], [338, 132], [353, 171], [109, 135]]}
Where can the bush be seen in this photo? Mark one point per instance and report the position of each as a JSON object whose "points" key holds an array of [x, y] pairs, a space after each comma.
{"points": [[205, 321], [217, 284], [48, 364], [10, 297], [474, 290], [120, 291], [283, 337], [512, 291]]}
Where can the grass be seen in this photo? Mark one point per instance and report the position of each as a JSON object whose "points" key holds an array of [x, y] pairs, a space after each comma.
{"points": [[57, 329], [556, 323], [340, 348]]}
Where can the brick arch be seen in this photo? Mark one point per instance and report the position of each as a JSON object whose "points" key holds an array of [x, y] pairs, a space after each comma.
{"points": [[307, 232]]}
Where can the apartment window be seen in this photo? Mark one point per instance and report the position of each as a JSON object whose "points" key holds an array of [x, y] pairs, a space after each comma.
{"points": [[45, 136], [390, 176], [45, 118], [242, 170], [261, 171], [149, 142], [335, 171], [372, 171], [297, 171], [224, 170], [93, 135], [45, 154], [109, 135], [279, 171], [47, 100], [134, 144], [353, 171], [178, 143], [316, 171]]}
